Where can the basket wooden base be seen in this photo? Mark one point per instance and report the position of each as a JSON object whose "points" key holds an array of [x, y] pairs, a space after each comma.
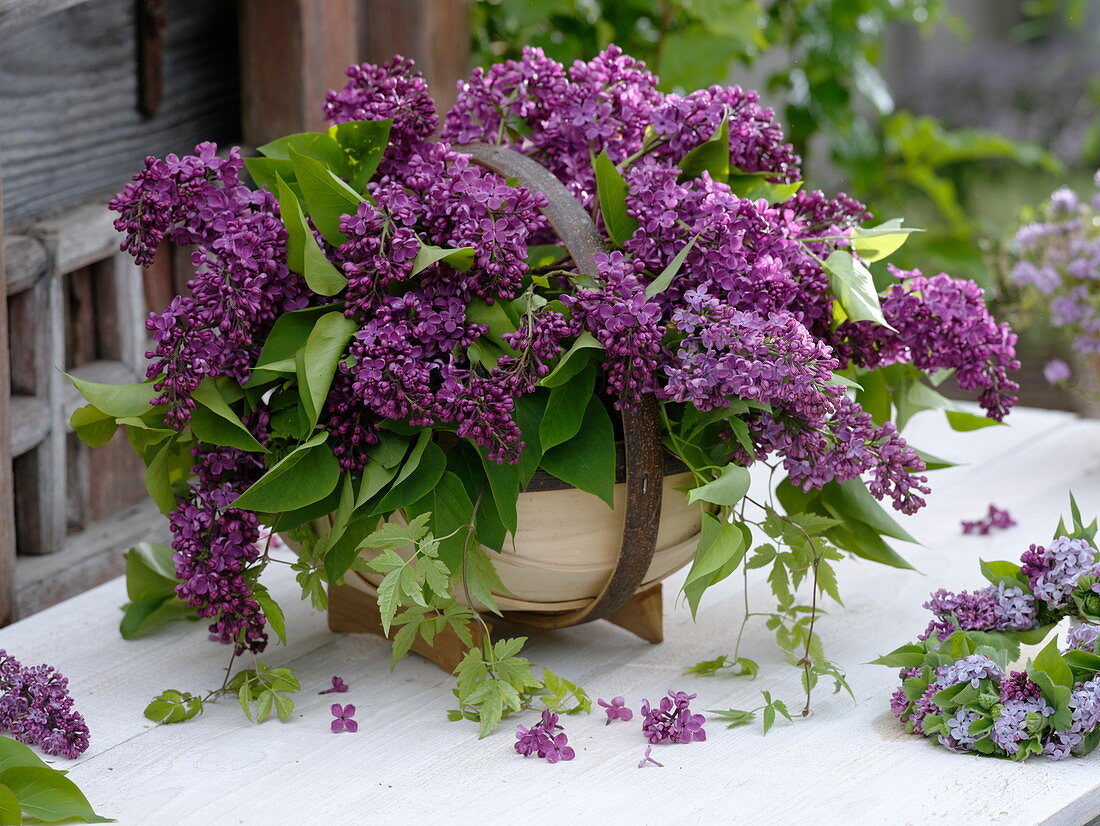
{"points": [[352, 610]]}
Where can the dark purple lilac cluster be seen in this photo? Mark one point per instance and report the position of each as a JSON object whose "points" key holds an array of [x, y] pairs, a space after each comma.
{"points": [[998, 518], [36, 708], [214, 545], [671, 720], [241, 282], [941, 323], [626, 323], [544, 739]]}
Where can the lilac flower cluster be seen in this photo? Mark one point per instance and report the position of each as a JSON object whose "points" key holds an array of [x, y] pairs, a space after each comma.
{"points": [[545, 739], [995, 518], [1058, 263], [993, 608], [940, 323], [1053, 572], [36, 708], [671, 720], [241, 281], [625, 322], [214, 545]]}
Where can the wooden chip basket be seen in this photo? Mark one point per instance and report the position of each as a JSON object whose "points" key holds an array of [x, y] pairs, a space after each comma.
{"points": [[573, 559]]}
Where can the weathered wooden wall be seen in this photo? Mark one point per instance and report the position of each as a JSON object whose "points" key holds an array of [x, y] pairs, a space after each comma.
{"points": [[74, 129], [69, 97]]}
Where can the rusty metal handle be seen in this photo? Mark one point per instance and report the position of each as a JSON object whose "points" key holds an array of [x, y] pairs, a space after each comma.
{"points": [[641, 423]]}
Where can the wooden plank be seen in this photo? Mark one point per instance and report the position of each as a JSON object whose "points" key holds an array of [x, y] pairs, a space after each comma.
{"points": [[7, 516], [434, 33], [86, 559], [66, 141], [37, 352], [25, 259], [30, 423], [13, 12], [292, 52]]}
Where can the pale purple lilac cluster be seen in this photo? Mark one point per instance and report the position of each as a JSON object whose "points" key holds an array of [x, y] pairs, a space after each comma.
{"points": [[544, 739], [993, 608], [37, 709], [1017, 706], [671, 720], [1055, 570], [1058, 259], [995, 518], [941, 323]]}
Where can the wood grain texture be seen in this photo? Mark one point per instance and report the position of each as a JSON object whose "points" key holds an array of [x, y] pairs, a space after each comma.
{"points": [[69, 98], [849, 764], [7, 515], [434, 33], [292, 52]]}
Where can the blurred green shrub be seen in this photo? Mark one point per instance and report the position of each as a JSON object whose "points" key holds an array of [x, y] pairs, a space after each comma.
{"points": [[821, 61]]}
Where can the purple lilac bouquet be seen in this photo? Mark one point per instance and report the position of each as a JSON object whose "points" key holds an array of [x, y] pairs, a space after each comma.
{"points": [[957, 687], [379, 324], [1057, 263]]}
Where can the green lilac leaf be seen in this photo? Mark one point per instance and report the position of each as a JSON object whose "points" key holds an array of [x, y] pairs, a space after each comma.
{"points": [[304, 256], [327, 197], [364, 142], [49, 795], [713, 156], [875, 243], [565, 409], [305, 475], [587, 461], [567, 365], [320, 357], [11, 813], [460, 258], [222, 426], [92, 426], [728, 489], [117, 400], [661, 283], [854, 287], [613, 191], [418, 483]]}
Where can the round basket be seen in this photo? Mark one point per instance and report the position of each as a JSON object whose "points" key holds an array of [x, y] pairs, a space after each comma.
{"points": [[567, 545]]}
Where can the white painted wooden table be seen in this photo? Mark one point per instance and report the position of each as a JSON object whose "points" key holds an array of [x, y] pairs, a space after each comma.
{"points": [[849, 763]]}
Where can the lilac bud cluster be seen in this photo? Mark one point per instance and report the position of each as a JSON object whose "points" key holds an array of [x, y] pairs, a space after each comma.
{"points": [[36, 708], [940, 323], [671, 720], [1058, 264]]}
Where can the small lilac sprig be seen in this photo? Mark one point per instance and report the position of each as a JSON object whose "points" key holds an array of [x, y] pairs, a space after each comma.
{"points": [[545, 739], [995, 518], [36, 709], [343, 718], [671, 720], [338, 687], [616, 710]]}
